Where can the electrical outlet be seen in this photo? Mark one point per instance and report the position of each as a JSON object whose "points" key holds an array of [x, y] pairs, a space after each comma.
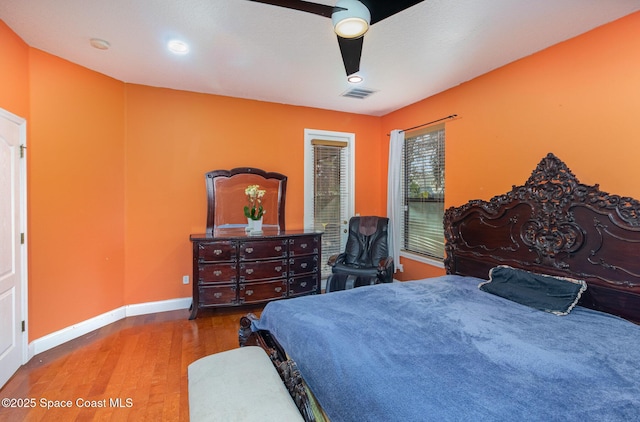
{"points": [[185, 279]]}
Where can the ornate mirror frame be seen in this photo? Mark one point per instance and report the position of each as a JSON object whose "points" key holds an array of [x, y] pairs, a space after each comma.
{"points": [[226, 197]]}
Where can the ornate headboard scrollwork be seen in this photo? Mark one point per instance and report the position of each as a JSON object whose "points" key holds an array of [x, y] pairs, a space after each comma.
{"points": [[226, 197], [556, 225]]}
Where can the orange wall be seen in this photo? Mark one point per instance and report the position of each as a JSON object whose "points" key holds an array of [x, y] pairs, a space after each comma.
{"points": [[14, 72], [579, 99], [116, 170], [76, 181], [175, 137]]}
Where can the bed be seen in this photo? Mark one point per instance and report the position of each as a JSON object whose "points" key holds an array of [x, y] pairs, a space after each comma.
{"points": [[535, 319]]}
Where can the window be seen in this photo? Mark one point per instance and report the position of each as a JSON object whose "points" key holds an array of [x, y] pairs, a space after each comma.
{"points": [[423, 192]]}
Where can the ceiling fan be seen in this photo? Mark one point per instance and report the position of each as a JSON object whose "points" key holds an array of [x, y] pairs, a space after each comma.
{"points": [[351, 19]]}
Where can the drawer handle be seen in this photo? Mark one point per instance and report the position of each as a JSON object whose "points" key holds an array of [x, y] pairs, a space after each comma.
{"points": [[217, 295], [303, 284], [249, 250], [249, 292], [278, 289], [303, 245], [278, 248], [303, 265], [249, 271], [278, 268], [217, 273], [217, 252]]}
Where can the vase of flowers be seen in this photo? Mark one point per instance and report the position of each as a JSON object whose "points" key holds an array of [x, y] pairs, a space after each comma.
{"points": [[254, 209]]}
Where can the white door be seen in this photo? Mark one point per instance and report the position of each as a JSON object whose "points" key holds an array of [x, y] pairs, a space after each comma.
{"points": [[12, 247], [329, 188]]}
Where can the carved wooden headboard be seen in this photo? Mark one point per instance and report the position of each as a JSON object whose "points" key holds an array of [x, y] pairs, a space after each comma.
{"points": [[555, 225]]}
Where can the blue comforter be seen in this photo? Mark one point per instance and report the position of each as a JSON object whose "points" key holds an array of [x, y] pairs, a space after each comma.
{"points": [[442, 350]]}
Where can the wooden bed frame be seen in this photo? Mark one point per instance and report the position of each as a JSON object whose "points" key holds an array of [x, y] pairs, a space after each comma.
{"points": [[552, 224]]}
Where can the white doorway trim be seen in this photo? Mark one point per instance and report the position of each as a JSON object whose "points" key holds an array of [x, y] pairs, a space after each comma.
{"points": [[22, 227]]}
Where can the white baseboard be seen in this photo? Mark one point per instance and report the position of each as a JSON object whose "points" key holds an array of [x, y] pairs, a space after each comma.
{"points": [[154, 307], [76, 330]]}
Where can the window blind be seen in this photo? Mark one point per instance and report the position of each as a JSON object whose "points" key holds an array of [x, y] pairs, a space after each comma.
{"points": [[330, 199], [423, 192]]}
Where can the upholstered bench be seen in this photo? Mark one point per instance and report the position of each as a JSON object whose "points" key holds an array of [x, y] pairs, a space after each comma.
{"points": [[238, 385]]}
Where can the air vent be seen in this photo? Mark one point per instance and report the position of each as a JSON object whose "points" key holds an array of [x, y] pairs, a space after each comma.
{"points": [[360, 93]]}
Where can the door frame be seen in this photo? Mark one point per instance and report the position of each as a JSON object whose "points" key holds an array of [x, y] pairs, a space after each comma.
{"points": [[22, 163], [309, 135]]}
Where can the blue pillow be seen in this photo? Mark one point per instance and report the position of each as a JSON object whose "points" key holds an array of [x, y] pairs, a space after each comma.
{"points": [[557, 295]]}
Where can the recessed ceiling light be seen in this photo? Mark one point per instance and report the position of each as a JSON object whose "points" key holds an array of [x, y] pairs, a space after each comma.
{"points": [[355, 79], [99, 44], [178, 47]]}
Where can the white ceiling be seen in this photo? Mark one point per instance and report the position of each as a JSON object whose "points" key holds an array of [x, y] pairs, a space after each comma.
{"points": [[257, 51]]}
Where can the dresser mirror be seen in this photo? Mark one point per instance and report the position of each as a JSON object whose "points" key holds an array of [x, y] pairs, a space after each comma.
{"points": [[226, 197]]}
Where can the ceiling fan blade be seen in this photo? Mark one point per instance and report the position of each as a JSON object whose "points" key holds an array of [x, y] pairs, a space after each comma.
{"points": [[382, 9], [351, 49], [304, 6]]}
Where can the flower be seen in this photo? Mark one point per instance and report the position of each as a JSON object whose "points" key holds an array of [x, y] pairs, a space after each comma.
{"points": [[254, 194]]}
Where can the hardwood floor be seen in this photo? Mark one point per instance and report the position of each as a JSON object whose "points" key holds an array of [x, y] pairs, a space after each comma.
{"points": [[134, 369]]}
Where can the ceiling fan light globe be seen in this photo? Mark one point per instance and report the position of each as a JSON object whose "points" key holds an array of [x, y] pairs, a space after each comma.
{"points": [[352, 22], [351, 27]]}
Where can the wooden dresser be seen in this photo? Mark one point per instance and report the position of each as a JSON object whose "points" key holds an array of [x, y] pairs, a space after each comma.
{"points": [[231, 268]]}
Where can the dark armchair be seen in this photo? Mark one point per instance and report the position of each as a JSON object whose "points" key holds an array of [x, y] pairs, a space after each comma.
{"points": [[366, 259]]}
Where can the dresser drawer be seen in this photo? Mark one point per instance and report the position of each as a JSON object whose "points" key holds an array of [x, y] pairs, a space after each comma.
{"points": [[216, 251], [217, 295], [303, 285], [303, 265], [303, 245], [262, 249], [262, 291], [256, 270], [217, 273]]}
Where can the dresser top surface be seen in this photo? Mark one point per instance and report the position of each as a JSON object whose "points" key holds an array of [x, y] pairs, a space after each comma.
{"points": [[239, 233]]}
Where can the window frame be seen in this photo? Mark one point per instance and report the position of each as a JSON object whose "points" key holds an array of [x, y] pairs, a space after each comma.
{"points": [[427, 254]]}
